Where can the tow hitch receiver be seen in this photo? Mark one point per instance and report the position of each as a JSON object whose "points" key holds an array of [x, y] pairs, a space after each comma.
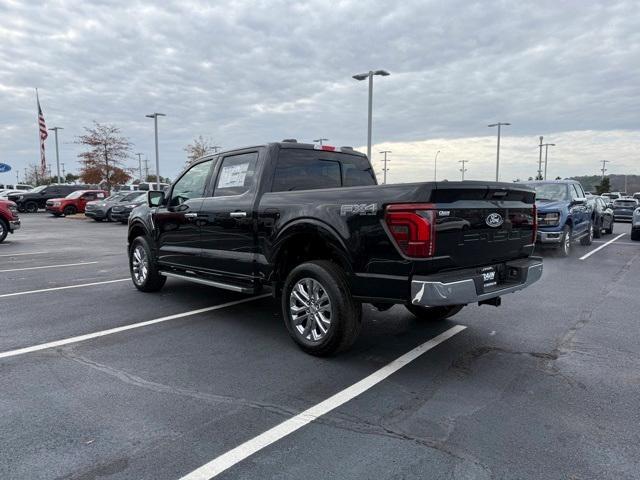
{"points": [[495, 301]]}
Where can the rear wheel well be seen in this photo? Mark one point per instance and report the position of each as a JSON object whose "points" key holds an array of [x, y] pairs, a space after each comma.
{"points": [[305, 247]]}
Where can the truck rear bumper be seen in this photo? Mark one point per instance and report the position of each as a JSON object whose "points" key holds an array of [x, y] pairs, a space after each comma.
{"points": [[469, 287]]}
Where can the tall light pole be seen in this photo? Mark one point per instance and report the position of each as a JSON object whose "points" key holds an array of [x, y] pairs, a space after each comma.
{"points": [[364, 76], [320, 140], [140, 165], [546, 154], [435, 165], [155, 126], [463, 169], [215, 148], [539, 177], [55, 129], [604, 167], [384, 152], [64, 174], [499, 124]]}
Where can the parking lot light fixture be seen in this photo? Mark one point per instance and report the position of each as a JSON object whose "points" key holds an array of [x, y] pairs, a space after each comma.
{"points": [[155, 125], [55, 129], [546, 154], [499, 124], [435, 165], [364, 76]]}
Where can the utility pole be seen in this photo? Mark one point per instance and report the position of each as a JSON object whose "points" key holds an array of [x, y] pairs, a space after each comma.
{"points": [[146, 168], [604, 167], [320, 140], [64, 174], [55, 129], [140, 165], [215, 148], [435, 165], [155, 125], [106, 162], [499, 124], [385, 165], [546, 153], [539, 177], [463, 169], [17, 176]]}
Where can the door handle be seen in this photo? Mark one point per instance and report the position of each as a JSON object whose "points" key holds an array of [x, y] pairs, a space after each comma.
{"points": [[190, 215], [237, 214]]}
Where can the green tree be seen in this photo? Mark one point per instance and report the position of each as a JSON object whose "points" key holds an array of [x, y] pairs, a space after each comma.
{"points": [[604, 186]]}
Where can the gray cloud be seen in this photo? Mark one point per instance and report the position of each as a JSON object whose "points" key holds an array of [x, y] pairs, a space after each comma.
{"points": [[249, 72]]}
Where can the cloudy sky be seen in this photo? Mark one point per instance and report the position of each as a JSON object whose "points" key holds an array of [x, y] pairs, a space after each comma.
{"points": [[247, 72]]}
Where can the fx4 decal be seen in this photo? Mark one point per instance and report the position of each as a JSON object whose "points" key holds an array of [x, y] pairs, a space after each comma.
{"points": [[359, 209]]}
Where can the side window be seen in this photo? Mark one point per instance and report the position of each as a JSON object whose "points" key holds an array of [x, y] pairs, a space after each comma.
{"points": [[236, 175], [574, 191], [191, 184], [580, 191], [89, 196]]}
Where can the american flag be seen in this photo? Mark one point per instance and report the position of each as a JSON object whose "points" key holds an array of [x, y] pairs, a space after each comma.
{"points": [[43, 136]]}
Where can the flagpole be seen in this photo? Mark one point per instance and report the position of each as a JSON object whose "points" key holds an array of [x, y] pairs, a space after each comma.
{"points": [[39, 139]]}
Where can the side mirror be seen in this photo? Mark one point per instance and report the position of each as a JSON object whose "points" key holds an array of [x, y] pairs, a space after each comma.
{"points": [[155, 198], [579, 201]]}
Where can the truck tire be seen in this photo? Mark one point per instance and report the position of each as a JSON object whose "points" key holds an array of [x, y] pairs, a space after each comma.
{"points": [[143, 267], [31, 207], [433, 314], [588, 238], [565, 242], [635, 234], [609, 230], [69, 210], [318, 310], [597, 229], [4, 230]]}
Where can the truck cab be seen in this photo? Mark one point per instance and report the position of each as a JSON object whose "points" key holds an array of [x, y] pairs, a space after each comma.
{"points": [[564, 215]]}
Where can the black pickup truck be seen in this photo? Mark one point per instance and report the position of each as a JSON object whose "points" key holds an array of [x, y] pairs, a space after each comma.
{"points": [[311, 223]]}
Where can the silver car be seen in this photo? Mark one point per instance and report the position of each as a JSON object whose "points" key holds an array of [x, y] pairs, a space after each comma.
{"points": [[635, 225]]}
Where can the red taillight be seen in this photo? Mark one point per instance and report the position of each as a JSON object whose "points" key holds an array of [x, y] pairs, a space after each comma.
{"points": [[413, 227], [327, 148], [535, 224]]}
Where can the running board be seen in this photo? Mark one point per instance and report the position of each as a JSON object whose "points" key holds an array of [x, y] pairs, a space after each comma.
{"points": [[204, 281]]}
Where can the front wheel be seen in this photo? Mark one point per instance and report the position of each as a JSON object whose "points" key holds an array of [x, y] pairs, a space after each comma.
{"points": [[31, 207], [588, 238], [609, 229], [143, 268], [433, 314], [4, 230], [565, 242], [70, 210], [319, 312], [597, 232]]}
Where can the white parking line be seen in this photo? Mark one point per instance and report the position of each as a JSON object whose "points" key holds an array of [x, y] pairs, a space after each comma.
{"points": [[21, 254], [230, 458], [67, 287], [47, 266], [111, 331], [587, 255]]}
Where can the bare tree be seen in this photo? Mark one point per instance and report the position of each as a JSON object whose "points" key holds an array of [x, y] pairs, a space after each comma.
{"points": [[199, 148], [104, 161]]}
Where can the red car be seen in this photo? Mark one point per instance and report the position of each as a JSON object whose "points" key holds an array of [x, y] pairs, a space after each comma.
{"points": [[9, 220], [74, 202]]}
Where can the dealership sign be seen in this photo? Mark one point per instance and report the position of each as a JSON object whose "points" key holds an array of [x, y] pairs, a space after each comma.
{"points": [[4, 168]]}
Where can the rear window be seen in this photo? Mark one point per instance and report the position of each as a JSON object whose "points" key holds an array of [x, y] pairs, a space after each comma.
{"points": [[625, 203], [305, 169]]}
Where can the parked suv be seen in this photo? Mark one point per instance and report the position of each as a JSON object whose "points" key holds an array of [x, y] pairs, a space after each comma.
{"points": [[601, 215], [73, 203], [564, 215], [9, 220], [37, 198], [100, 210], [121, 211], [623, 209], [310, 223]]}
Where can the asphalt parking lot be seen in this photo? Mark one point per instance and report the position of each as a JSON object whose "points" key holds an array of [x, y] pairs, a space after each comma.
{"points": [[544, 387]]}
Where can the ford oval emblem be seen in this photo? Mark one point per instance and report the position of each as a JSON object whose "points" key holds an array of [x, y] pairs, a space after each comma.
{"points": [[494, 220]]}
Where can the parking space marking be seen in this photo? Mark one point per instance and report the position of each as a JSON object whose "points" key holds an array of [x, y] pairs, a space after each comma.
{"points": [[67, 287], [241, 452], [47, 266], [111, 331], [587, 255], [619, 243], [21, 254]]}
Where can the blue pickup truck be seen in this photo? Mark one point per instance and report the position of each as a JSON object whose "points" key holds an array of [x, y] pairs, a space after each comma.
{"points": [[564, 216]]}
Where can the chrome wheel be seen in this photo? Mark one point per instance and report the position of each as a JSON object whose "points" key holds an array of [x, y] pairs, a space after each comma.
{"points": [[310, 309], [139, 264], [567, 242]]}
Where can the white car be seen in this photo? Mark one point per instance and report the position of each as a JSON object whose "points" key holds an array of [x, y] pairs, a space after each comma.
{"points": [[635, 225], [4, 194]]}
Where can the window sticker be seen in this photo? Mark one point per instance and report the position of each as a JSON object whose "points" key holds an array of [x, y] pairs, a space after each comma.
{"points": [[233, 175]]}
